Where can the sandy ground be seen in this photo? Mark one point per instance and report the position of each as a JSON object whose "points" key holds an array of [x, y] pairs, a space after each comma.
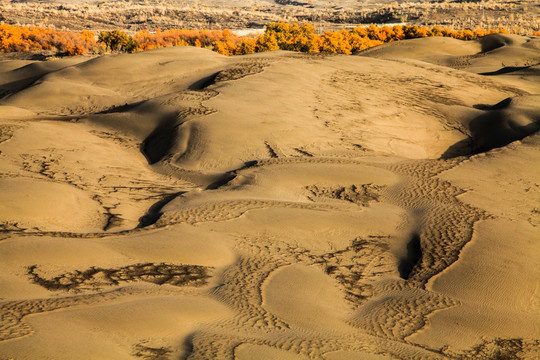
{"points": [[179, 204]]}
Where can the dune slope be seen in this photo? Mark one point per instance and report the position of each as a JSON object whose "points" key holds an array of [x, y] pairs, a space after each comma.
{"points": [[178, 204]]}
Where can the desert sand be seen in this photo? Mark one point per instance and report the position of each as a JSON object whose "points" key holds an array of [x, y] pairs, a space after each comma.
{"points": [[180, 204]]}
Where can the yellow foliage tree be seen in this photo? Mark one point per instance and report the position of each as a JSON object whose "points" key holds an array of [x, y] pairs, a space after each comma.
{"points": [[335, 42], [291, 37]]}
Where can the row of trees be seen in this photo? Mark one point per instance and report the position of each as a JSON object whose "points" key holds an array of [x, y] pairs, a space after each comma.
{"points": [[147, 40], [14, 38], [277, 36], [303, 38]]}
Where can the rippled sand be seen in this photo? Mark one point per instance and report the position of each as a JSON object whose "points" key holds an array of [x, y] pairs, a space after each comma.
{"points": [[179, 204]]}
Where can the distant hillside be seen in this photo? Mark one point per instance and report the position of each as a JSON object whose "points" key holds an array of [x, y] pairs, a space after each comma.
{"points": [[521, 16]]}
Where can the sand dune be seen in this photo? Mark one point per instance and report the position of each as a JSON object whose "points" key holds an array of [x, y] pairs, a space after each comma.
{"points": [[179, 204], [513, 59]]}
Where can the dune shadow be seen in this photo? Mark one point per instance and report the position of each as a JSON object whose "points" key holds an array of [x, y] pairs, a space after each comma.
{"points": [[414, 254], [222, 181], [154, 212], [27, 76], [498, 126], [494, 41], [229, 176], [187, 346], [490, 131], [121, 108], [14, 87], [498, 106], [513, 69], [161, 140], [461, 148], [204, 82]]}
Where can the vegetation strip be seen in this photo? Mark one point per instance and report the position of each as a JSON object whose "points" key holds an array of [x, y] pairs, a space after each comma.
{"points": [[277, 36]]}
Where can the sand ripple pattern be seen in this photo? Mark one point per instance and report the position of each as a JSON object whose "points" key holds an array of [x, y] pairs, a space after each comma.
{"points": [[445, 223], [227, 210], [336, 255], [356, 268], [12, 313], [402, 312]]}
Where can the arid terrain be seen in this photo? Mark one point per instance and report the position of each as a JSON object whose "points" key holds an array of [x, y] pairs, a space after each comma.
{"points": [[517, 16], [180, 204]]}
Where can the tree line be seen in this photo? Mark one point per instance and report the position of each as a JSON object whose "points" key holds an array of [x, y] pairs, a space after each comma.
{"points": [[277, 36]]}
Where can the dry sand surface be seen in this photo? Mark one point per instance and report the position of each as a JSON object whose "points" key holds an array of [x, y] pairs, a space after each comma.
{"points": [[179, 204]]}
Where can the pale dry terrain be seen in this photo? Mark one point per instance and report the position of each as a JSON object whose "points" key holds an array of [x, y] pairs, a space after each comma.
{"points": [[180, 204], [517, 16]]}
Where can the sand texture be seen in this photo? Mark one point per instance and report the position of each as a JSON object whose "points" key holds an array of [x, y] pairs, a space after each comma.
{"points": [[179, 204]]}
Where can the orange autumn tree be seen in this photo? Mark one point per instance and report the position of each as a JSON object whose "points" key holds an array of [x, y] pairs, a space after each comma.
{"points": [[147, 40], [14, 38], [338, 42], [302, 38], [294, 37]]}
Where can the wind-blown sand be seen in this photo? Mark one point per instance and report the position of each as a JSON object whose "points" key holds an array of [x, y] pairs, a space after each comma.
{"points": [[177, 204]]}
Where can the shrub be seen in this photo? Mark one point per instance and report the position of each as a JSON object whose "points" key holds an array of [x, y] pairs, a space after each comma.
{"points": [[117, 40]]}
